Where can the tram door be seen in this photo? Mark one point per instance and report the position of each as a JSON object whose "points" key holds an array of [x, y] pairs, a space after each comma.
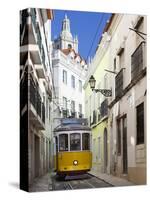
{"points": [[105, 151]]}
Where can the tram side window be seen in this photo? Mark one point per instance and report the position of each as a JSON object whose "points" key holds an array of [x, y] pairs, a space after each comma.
{"points": [[63, 142], [75, 142], [85, 141]]}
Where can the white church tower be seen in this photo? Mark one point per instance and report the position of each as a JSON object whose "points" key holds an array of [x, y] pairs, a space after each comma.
{"points": [[66, 40], [69, 70]]}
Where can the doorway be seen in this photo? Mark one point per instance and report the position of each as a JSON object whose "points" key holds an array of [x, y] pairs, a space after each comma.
{"points": [[125, 155], [36, 155], [105, 151]]}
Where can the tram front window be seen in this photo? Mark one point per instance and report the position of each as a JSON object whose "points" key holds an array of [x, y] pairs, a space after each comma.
{"points": [[75, 139], [85, 141], [63, 142]]}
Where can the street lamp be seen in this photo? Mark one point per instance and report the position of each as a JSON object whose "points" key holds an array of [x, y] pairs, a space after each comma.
{"points": [[92, 82]]}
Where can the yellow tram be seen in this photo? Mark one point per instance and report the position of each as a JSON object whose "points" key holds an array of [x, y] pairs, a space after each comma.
{"points": [[73, 147]]}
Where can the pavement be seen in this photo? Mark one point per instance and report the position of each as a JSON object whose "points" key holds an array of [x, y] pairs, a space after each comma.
{"points": [[42, 183], [113, 180]]}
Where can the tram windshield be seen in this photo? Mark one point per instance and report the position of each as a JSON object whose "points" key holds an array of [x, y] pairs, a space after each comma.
{"points": [[85, 141], [63, 142], [75, 139]]}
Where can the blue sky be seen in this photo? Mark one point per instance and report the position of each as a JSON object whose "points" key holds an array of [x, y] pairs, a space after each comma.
{"points": [[86, 25]]}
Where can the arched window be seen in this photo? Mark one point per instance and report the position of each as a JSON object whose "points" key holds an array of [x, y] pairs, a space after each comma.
{"points": [[69, 46]]}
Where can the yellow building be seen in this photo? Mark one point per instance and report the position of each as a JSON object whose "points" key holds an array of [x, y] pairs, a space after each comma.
{"points": [[96, 105]]}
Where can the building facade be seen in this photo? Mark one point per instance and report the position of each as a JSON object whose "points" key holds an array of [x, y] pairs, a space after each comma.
{"points": [[128, 104], [97, 107], [69, 70], [123, 50], [36, 91]]}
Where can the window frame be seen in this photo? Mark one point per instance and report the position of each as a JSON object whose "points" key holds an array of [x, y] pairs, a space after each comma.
{"points": [[138, 128], [80, 86], [64, 76], [88, 149], [73, 85], [66, 147], [70, 140]]}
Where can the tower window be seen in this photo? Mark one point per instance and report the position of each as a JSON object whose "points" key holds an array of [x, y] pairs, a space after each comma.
{"points": [[69, 46]]}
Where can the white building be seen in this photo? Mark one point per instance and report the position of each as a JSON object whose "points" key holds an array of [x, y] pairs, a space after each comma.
{"points": [[69, 70], [127, 116], [36, 91]]}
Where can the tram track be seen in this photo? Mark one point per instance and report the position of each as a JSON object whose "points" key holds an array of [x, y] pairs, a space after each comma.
{"points": [[82, 182]]}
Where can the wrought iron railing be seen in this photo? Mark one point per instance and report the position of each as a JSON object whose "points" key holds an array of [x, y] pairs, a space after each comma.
{"points": [[36, 101], [80, 115], [119, 84], [43, 113], [137, 60], [104, 108], [65, 113]]}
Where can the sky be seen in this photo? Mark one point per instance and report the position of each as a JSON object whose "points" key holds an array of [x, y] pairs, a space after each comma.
{"points": [[88, 26]]}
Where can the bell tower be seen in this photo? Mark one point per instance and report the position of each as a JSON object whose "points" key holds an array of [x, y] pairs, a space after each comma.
{"points": [[66, 38]]}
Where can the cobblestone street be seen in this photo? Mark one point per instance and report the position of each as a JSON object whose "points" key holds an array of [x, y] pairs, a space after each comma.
{"points": [[93, 180]]}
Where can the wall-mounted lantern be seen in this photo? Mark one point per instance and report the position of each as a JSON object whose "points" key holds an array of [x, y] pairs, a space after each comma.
{"points": [[105, 92]]}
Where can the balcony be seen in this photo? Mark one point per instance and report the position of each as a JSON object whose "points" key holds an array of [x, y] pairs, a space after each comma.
{"points": [[104, 108], [73, 114], [65, 113], [137, 61], [119, 84], [40, 71], [80, 115], [36, 108], [31, 39]]}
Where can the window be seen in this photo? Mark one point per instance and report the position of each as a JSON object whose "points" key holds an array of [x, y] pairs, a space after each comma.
{"points": [[64, 103], [69, 46], [73, 81], [73, 106], [137, 60], [85, 141], [119, 84], [140, 123], [121, 58], [63, 142], [64, 77], [80, 86], [119, 136], [75, 142], [80, 108], [115, 64]]}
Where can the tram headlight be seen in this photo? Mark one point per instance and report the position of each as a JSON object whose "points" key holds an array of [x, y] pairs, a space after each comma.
{"points": [[75, 162]]}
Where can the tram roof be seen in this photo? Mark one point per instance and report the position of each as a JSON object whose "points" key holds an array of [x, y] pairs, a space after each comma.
{"points": [[72, 124], [71, 128]]}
